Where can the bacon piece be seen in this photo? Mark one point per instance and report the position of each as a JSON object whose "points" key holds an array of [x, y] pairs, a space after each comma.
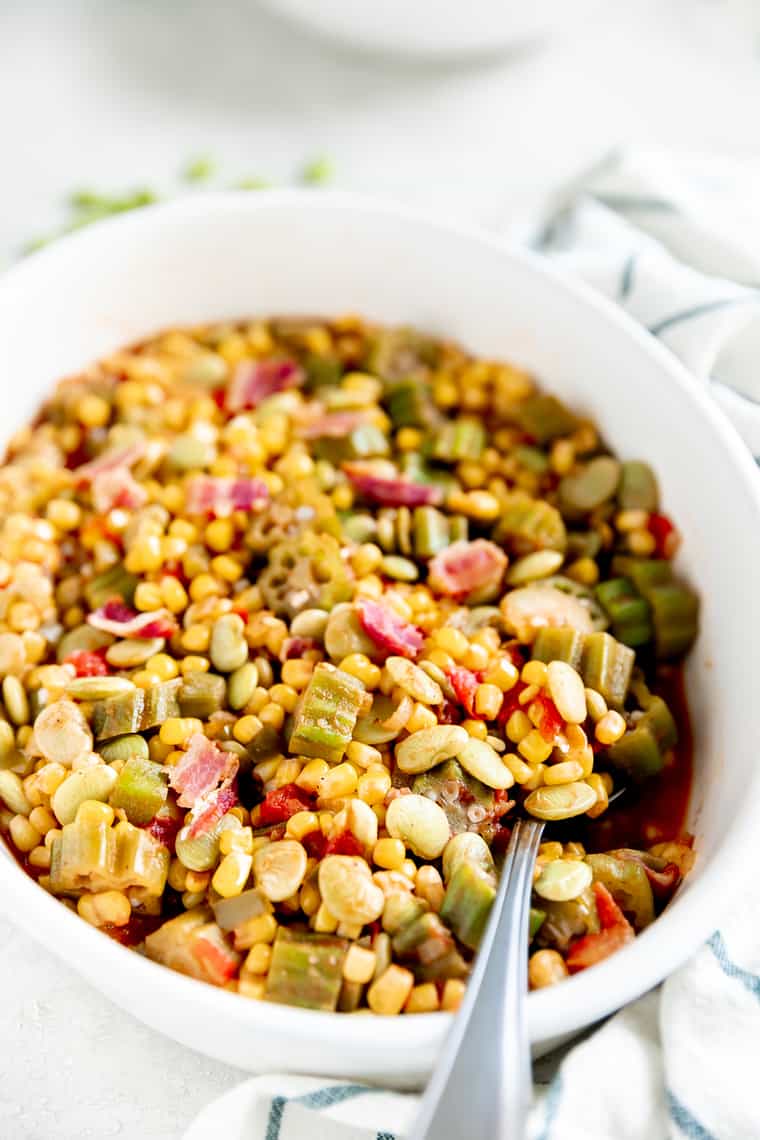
{"points": [[388, 631], [468, 570], [220, 495], [117, 487], [293, 647], [332, 425], [464, 682], [211, 808], [88, 662], [254, 380], [111, 460], [201, 770], [120, 619], [391, 491]]}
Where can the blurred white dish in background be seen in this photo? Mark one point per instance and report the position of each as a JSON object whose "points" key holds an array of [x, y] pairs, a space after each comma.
{"points": [[437, 29]]}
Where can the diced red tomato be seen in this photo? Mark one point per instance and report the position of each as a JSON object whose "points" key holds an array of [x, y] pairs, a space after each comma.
{"points": [[615, 933], [511, 701], [665, 535], [279, 804], [464, 683], [551, 722], [315, 843], [218, 960], [88, 662], [164, 829], [344, 844]]}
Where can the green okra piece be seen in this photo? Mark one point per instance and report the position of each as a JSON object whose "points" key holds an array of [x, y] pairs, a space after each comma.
{"points": [[533, 458], [535, 921], [160, 703], [641, 751], [398, 353], [629, 613], [430, 532], [629, 885], [458, 440], [410, 403], [140, 790], [563, 644], [437, 785], [201, 694], [594, 484], [606, 666], [402, 910], [115, 582], [306, 969], [645, 573], [527, 524], [675, 612], [366, 441], [136, 711], [638, 488], [459, 529], [323, 724], [467, 903], [545, 418], [322, 371]]}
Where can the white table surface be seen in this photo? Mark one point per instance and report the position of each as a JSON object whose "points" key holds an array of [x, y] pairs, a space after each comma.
{"points": [[120, 94]]}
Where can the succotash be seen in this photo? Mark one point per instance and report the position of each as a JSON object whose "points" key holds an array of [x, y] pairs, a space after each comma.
{"points": [[296, 617]]}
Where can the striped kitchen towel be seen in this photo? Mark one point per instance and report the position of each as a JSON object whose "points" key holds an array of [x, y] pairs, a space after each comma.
{"points": [[677, 246]]}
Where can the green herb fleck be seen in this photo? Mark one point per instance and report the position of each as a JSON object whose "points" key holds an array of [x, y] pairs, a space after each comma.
{"points": [[199, 169], [317, 172]]}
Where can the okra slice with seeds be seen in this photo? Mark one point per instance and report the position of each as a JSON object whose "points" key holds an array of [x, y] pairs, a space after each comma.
{"points": [[306, 969], [324, 722]]}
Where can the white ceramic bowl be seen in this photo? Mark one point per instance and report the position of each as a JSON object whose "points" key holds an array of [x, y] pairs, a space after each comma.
{"points": [[438, 30], [223, 256]]}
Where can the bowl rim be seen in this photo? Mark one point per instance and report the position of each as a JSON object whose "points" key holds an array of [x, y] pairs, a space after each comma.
{"points": [[560, 1010]]}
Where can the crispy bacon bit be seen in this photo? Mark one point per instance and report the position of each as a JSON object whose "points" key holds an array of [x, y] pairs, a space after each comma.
{"points": [[279, 804], [117, 488], [117, 457], [220, 496], [615, 933], [200, 771], [467, 569], [388, 631], [254, 380], [164, 829], [296, 647], [464, 683], [391, 492], [120, 619], [213, 807], [332, 425], [88, 662]]}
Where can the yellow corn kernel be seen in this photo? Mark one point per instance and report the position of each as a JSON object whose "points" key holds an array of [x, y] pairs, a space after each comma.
{"points": [[312, 774], [323, 922], [261, 929], [360, 666], [218, 535], [301, 824], [519, 769], [369, 586], [24, 834], [163, 666], [389, 854], [94, 812], [409, 439], [422, 717], [177, 877], [144, 679], [519, 726], [453, 992], [310, 899], [610, 727], [196, 639], [528, 694], [285, 696], [148, 596], [451, 641], [259, 959], [423, 999], [476, 728], [359, 965], [144, 555], [240, 840], [107, 908], [503, 674], [488, 701], [364, 755], [42, 819], [534, 748], [388, 993], [340, 781], [158, 751], [247, 728], [440, 658], [273, 715], [289, 768], [63, 514], [373, 786], [366, 559], [297, 673], [177, 729], [566, 772], [585, 571], [483, 506], [173, 594], [534, 673], [93, 411], [205, 586], [198, 881], [232, 874], [477, 657], [50, 777], [226, 568], [596, 704], [343, 497], [40, 857], [194, 664]]}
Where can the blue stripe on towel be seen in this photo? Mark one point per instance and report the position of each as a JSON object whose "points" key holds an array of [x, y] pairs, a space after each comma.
{"points": [[698, 311], [274, 1123], [749, 980], [627, 203], [319, 1098], [688, 1123], [551, 1107], [626, 277]]}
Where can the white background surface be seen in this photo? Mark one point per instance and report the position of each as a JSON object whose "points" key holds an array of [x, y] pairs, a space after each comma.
{"points": [[119, 93]]}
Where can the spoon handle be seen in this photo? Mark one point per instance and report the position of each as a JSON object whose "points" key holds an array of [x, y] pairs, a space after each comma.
{"points": [[482, 1081]]}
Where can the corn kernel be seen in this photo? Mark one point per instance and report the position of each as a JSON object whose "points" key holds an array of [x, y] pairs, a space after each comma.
{"points": [[475, 728], [534, 748], [218, 535], [476, 658], [503, 674], [363, 754], [297, 673], [488, 701], [323, 922], [63, 514], [388, 993], [93, 411], [340, 781], [42, 819], [148, 596], [389, 854], [610, 727], [422, 999], [519, 769], [366, 559], [259, 959], [205, 586], [196, 639], [236, 840], [197, 881], [584, 570], [232, 874], [173, 594], [178, 729], [261, 929], [453, 992], [360, 666], [451, 641], [273, 715], [24, 834], [596, 704], [359, 964], [312, 774], [421, 717], [247, 728], [144, 555], [285, 696], [534, 673], [373, 787], [163, 666], [301, 824], [428, 885], [642, 543], [106, 908], [566, 772]]}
